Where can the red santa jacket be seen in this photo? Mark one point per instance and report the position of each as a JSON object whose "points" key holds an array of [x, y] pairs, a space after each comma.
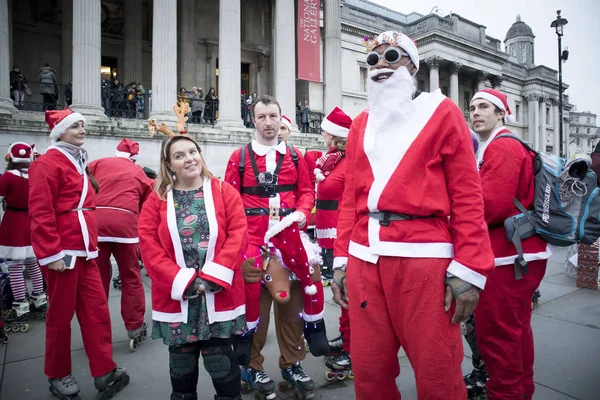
{"points": [[428, 171], [506, 172], [162, 254], [15, 230], [310, 158], [301, 198], [329, 195], [61, 207], [123, 189]]}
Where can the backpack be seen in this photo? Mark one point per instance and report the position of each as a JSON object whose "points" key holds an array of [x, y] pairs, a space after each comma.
{"points": [[566, 204]]}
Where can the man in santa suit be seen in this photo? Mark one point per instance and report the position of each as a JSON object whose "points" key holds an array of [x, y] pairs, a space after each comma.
{"points": [[503, 315], [274, 183], [411, 231], [125, 187]]}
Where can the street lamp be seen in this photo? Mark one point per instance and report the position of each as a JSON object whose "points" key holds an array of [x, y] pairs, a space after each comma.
{"points": [[558, 24]]}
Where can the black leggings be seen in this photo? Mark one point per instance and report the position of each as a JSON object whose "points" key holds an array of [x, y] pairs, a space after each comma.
{"points": [[219, 361]]}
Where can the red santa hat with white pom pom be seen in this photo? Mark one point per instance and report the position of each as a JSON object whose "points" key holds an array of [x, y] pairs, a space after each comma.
{"points": [[19, 153], [285, 236], [498, 99], [128, 149]]}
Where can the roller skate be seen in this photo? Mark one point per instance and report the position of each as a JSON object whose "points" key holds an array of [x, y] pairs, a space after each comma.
{"points": [[295, 378], [110, 384], [137, 336], [335, 347], [340, 367], [3, 336], [535, 299], [259, 380], [65, 388], [475, 383], [17, 318], [316, 337], [38, 304], [117, 282]]}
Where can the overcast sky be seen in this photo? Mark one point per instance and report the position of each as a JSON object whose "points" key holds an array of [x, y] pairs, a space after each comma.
{"points": [[582, 35]]}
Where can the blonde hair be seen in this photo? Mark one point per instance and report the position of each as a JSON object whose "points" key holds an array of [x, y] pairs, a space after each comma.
{"points": [[164, 180], [340, 143]]}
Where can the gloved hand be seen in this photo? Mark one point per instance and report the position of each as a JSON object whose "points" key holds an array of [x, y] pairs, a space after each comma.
{"points": [[249, 272], [338, 287], [466, 296], [194, 289], [300, 219]]}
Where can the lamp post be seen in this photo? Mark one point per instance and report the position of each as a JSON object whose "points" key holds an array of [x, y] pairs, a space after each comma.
{"points": [[558, 24]]}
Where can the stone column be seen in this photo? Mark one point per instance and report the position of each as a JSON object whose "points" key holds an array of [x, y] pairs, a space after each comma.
{"points": [[433, 64], [87, 38], [454, 68], [543, 132], [164, 60], [132, 69], [66, 67], [284, 55], [188, 42], [534, 114], [6, 104], [230, 59], [333, 55], [481, 78]]}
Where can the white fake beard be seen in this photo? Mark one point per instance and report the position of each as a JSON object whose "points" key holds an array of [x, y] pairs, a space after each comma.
{"points": [[390, 98]]}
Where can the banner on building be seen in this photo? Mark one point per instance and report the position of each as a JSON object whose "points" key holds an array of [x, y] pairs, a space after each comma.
{"points": [[309, 40]]}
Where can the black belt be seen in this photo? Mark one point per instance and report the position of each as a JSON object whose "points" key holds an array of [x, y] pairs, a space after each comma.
{"points": [[327, 204], [384, 217], [17, 209], [257, 190], [253, 212]]}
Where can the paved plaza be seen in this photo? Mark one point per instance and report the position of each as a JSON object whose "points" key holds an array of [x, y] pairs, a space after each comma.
{"points": [[566, 327]]}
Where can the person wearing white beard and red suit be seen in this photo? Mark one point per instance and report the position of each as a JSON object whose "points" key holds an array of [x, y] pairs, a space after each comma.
{"points": [[503, 316], [125, 187], [411, 232], [63, 234]]}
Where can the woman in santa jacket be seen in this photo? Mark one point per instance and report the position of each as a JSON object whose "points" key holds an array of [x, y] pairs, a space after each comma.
{"points": [[63, 235], [192, 232], [15, 238]]}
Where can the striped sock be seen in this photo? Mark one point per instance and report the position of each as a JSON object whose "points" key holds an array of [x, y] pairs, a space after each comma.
{"points": [[17, 282], [33, 269]]}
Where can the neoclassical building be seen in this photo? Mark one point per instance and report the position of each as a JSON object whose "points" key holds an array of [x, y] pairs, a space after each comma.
{"points": [[250, 45]]}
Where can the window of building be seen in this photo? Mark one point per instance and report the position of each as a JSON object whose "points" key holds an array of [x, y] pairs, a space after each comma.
{"points": [[518, 112], [588, 120], [445, 90], [466, 100], [364, 75], [548, 119], [577, 141]]}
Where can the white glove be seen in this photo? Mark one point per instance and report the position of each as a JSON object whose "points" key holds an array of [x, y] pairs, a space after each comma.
{"points": [[300, 219]]}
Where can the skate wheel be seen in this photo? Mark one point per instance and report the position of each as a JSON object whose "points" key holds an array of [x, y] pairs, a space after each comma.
{"points": [[284, 386], [269, 396], [246, 388], [351, 376], [132, 345], [329, 376], [7, 328], [15, 328], [24, 328]]}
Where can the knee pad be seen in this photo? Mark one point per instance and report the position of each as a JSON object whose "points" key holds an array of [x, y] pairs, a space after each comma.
{"points": [[220, 363], [242, 346], [182, 364]]}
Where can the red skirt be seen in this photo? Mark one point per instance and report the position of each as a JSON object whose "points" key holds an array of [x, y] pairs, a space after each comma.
{"points": [[15, 236]]}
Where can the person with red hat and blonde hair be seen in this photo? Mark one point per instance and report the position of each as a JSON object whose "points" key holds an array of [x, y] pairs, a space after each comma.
{"points": [[411, 235], [64, 238], [503, 315], [15, 239], [125, 187]]}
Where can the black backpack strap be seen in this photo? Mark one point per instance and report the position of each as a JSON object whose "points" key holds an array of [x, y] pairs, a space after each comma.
{"points": [[293, 154], [520, 263], [518, 139], [253, 162], [242, 165]]}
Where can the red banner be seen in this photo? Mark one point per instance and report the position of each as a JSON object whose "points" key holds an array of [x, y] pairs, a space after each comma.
{"points": [[309, 40]]}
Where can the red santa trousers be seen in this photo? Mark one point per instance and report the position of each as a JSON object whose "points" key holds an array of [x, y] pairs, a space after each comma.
{"points": [[399, 302], [313, 304], [503, 330], [133, 300], [345, 329], [77, 291]]}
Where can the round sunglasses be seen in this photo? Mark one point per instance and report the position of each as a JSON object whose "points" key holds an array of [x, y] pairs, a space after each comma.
{"points": [[391, 55]]}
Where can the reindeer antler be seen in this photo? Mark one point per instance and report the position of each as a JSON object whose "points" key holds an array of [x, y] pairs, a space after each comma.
{"points": [[181, 110], [153, 127]]}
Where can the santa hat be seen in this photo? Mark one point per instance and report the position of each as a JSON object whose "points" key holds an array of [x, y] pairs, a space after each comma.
{"points": [[286, 122], [60, 120], [128, 149], [285, 236], [337, 123], [19, 153], [396, 39], [498, 99]]}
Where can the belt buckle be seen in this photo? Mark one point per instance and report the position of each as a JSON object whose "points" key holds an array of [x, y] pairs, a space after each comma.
{"points": [[274, 213], [385, 220]]}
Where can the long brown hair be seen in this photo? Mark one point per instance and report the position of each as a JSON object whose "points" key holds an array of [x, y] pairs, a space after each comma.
{"points": [[165, 174], [340, 143], [93, 181]]}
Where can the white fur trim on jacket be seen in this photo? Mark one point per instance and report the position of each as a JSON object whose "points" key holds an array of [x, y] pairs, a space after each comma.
{"points": [[313, 250], [319, 175], [218, 271], [340, 263], [334, 129], [63, 125], [181, 282], [286, 222]]}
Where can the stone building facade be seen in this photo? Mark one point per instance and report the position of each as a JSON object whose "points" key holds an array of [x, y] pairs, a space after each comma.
{"points": [[584, 132]]}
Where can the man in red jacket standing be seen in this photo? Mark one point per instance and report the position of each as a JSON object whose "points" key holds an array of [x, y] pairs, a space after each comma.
{"points": [[411, 231], [125, 187], [503, 315]]}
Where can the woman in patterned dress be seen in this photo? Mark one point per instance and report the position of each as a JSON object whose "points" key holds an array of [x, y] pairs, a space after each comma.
{"points": [[192, 231]]}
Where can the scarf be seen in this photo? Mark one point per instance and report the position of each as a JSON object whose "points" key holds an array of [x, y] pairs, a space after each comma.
{"points": [[79, 153], [327, 162]]}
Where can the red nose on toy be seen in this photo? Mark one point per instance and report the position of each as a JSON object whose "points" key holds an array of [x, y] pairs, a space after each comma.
{"points": [[283, 295]]}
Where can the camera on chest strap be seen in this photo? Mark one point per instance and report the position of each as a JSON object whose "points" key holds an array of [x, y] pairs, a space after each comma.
{"points": [[266, 184]]}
